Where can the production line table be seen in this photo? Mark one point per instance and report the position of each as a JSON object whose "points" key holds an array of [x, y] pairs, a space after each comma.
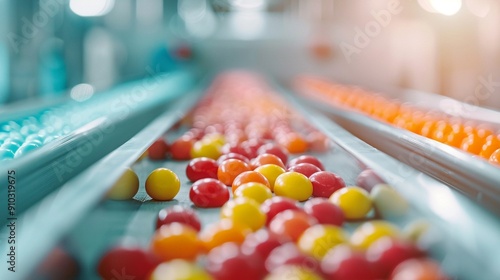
{"points": [[76, 218]]}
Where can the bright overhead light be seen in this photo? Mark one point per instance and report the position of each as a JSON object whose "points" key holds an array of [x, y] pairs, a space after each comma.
{"points": [[446, 7], [91, 8]]}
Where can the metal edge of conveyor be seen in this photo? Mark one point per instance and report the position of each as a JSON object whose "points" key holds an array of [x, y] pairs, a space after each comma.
{"points": [[467, 242], [45, 169], [42, 226], [472, 176]]}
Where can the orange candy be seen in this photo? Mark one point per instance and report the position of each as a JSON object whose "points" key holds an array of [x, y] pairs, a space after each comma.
{"points": [[495, 157], [249, 177], [492, 144], [175, 241], [222, 232], [230, 169], [294, 143]]}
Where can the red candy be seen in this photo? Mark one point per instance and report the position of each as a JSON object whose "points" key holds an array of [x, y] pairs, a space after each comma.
{"points": [[271, 148], [367, 179], [181, 148], [306, 169], [277, 204], [342, 262], [252, 146], [232, 156], [289, 254], [387, 253], [201, 168], [158, 150], [235, 149], [262, 242], [132, 260], [324, 211], [325, 183], [228, 262], [178, 214], [307, 159], [208, 193]]}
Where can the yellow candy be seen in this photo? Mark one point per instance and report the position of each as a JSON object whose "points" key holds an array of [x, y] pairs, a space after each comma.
{"points": [[244, 211], [206, 148], [354, 201], [162, 184], [126, 187], [369, 232], [293, 185], [271, 172], [388, 202], [319, 239], [292, 272], [179, 270], [256, 191]]}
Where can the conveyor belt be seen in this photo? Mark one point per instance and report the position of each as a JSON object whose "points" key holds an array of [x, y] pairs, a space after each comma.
{"points": [[464, 251]]}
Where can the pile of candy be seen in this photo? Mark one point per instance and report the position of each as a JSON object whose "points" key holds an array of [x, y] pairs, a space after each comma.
{"points": [[477, 139], [239, 162]]}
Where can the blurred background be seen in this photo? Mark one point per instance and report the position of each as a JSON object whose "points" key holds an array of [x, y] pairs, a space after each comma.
{"points": [[51, 48]]}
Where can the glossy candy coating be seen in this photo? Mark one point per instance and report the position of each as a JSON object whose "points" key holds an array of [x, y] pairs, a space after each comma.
{"points": [[325, 183], [229, 169], [244, 211], [271, 172], [175, 241], [354, 201], [293, 185], [178, 214], [201, 168], [249, 177], [207, 193], [318, 239], [291, 223], [162, 184], [126, 187], [256, 191]]}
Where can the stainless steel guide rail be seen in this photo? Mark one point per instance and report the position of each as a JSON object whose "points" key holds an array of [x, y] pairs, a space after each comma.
{"points": [[45, 169], [472, 176]]}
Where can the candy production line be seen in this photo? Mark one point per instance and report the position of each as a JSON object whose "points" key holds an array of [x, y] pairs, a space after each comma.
{"points": [[246, 143]]}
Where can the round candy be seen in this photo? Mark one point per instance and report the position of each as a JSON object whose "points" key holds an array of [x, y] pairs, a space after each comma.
{"points": [[178, 214], [162, 184], [236, 149], [318, 239], [386, 253], [271, 172], [228, 262], [271, 148], [342, 262], [232, 156], [262, 242], [324, 211], [354, 201], [293, 185], [387, 202], [206, 193], [291, 223], [206, 148], [181, 148], [367, 179], [307, 159], [133, 260], [415, 269], [325, 183], [126, 187], [244, 211], [252, 146], [179, 269], [158, 150], [294, 143], [229, 169], [276, 205], [256, 191], [175, 241], [263, 159], [284, 272], [306, 169], [289, 254], [249, 177], [223, 231], [369, 232], [201, 168]]}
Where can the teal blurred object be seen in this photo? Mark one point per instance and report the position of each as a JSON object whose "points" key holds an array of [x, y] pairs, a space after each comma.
{"points": [[4, 73], [52, 69]]}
